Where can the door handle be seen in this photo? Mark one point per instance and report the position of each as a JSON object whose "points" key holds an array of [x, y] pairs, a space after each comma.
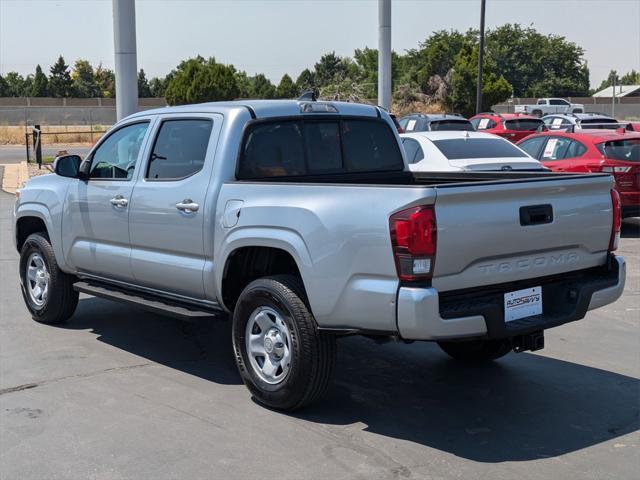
{"points": [[187, 206], [119, 201]]}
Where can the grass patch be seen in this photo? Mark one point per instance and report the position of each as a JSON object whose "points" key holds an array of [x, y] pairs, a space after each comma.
{"points": [[14, 134]]}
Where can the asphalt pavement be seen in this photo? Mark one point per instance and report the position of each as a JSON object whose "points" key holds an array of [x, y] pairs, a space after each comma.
{"points": [[18, 153], [118, 393]]}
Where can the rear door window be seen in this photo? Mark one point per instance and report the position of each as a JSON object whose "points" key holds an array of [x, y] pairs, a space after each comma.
{"points": [[180, 149], [532, 146], [556, 149], [413, 150]]}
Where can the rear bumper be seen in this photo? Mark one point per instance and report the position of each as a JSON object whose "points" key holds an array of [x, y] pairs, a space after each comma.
{"points": [[424, 314]]}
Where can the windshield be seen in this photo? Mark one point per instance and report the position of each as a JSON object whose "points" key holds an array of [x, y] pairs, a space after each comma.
{"points": [[452, 125], [628, 150], [523, 124], [460, 148]]}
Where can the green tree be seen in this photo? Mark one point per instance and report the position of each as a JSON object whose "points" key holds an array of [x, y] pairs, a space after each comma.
{"points": [[286, 88], [462, 93], [84, 81], [199, 80], [157, 86], [435, 56], [329, 69], [630, 78], [261, 87], [60, 82], [306, 81], [106, 81], [40, 87], [144, 89], [4, 87], [366, 71], [15, 84], [536, 64]]}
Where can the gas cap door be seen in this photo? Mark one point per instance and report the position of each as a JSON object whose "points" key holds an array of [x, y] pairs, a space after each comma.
{"points": [[231, 213]]}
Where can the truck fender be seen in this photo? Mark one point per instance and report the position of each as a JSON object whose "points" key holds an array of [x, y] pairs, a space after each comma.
{"points": [[284, 239], [40, 211]]}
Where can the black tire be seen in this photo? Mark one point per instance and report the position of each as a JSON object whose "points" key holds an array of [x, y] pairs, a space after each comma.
{"points": [[476, 350], [537, 113], [313, 352], [62, 299]]}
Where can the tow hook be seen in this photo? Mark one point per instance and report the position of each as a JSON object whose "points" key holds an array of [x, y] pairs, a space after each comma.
{"points": [[531, 342]]}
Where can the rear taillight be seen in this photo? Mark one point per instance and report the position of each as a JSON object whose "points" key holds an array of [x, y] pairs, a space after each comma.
{"points": [[413, 237], [616, 222]]}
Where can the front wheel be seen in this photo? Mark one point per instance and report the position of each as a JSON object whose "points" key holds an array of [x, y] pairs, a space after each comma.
{"points": [[284, 360], [48, 291], [476, 350]]}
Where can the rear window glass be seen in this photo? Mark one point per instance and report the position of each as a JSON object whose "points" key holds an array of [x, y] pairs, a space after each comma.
{"points": [[294, 148], [459, 148], [628, 150], [523, 124], [451, 125], [594, 123]]}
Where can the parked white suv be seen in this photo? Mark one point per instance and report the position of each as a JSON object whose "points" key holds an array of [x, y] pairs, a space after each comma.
{"points": [[455, 151]]}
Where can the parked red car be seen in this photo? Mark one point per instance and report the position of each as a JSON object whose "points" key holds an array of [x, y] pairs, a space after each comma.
{"points": [[512, 126], [593, 151]]}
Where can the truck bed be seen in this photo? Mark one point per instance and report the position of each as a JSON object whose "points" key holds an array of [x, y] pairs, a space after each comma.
{"points": [[420, 179]]}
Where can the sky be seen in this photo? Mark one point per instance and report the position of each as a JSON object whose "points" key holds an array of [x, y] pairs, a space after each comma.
{"points": [[286, 36]]}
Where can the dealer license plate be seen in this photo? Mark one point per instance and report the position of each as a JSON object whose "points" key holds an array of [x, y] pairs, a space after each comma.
{"points": [[522, 303]]}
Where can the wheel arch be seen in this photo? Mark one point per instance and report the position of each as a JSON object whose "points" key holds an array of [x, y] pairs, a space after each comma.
{"points": [[32, 218], [259, 253]]}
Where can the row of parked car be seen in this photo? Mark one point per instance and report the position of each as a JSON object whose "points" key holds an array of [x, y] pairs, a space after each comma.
{"points": [[562, 142]]}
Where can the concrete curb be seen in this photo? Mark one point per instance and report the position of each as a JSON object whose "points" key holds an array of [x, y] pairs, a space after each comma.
{"points": [[15, 176]]}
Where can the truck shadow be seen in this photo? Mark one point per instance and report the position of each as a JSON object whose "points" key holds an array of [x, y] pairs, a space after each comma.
{"points": [[523, 407], [630, 228]]}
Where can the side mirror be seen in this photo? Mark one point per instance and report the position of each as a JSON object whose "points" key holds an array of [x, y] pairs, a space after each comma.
{"points": [[67, 166]]}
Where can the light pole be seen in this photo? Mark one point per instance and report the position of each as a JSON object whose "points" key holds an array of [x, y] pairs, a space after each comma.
{"points": [[384, 53], [124, 37], [480, 59]]}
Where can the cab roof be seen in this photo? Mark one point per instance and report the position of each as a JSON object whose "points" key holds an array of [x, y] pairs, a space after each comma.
{"points": [[266, 108]]}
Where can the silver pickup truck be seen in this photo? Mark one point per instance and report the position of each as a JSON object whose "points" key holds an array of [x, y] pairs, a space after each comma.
{"points": [[301, 221]]}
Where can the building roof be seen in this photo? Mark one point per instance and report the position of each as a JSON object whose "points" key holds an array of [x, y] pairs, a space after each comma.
{"points": [[621, 91]]}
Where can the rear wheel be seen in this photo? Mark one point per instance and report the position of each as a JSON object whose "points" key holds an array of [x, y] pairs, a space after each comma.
{"points": [[284, 360], [48, 291], [476, 350], [537, 113]]}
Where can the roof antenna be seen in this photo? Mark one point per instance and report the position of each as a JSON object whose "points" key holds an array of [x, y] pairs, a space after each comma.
{"points": [[308, 96]]}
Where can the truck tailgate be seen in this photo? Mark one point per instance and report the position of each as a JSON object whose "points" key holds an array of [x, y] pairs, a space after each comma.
{"points": [[482, 239]]}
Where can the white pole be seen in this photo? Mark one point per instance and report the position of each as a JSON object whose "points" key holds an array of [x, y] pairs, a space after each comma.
{"points": [[384, 53], [124, 36]]}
